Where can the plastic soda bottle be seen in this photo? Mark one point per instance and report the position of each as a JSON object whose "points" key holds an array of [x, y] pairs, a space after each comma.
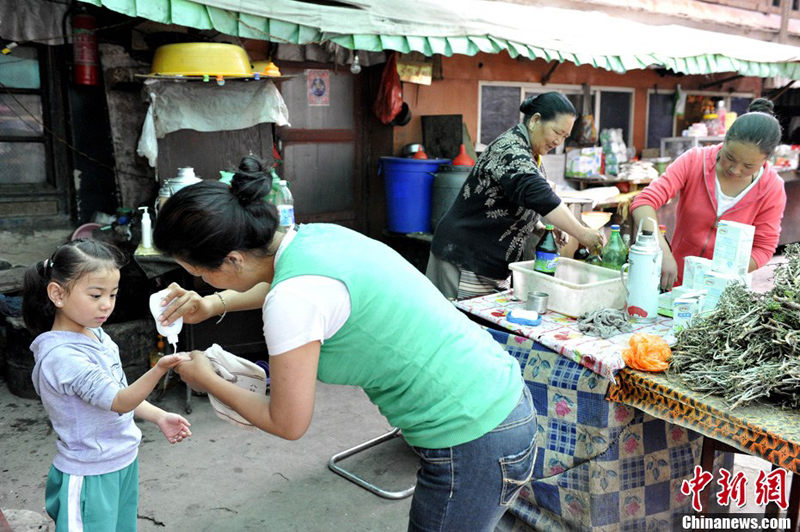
{"points": [[285, 204], [721, 128], [276, 185], [614, 252], [546, 253]]}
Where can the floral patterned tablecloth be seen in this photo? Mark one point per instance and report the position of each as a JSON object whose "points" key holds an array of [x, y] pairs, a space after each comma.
{"points": [[600, 466], [560, 333]]}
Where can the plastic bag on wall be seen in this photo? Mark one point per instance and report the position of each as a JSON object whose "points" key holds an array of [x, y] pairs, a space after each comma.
{"points": [[588, 132], [148, 144], [390, 94]]}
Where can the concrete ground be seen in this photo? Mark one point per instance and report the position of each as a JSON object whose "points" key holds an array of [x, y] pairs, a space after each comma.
{"points": [[225, 478], [228, 479]]}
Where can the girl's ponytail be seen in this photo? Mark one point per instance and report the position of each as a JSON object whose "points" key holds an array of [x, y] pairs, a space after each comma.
{"points": [[38, 311]]}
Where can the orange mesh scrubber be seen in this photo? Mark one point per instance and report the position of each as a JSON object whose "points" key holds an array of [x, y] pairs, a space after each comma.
{"points": [[647, 352]]}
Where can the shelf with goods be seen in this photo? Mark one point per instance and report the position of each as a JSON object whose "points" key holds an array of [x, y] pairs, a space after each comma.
{"points": [[674, 146]]}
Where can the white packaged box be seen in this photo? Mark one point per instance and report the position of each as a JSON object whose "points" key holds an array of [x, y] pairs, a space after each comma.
{"points": [[584, 162], [715, 283], [576, 288], [686, 309], [685, 291], [694, 269], [732, 247]]}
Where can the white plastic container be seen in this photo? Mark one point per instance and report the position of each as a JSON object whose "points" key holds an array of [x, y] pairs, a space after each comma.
{"points": [[147, 229], [170, 332], [577, 287]]}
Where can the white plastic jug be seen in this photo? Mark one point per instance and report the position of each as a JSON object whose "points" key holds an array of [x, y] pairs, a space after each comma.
{"points": [[643, 274]]}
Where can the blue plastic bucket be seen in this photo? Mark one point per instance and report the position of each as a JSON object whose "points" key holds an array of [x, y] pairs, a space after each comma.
{"points": [[408, 192]]}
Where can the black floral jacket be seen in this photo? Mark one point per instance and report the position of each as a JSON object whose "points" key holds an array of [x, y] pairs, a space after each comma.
{"points": [[497, 208]]}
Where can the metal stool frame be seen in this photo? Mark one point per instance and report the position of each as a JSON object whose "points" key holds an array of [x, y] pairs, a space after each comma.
{"points": [[393, 495]]}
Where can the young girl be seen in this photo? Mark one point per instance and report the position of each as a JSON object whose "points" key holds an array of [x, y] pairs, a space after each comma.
{"points": [[93, 483]]}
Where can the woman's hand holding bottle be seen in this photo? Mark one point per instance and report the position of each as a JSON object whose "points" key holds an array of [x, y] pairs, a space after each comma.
{"points": [[590, 238], [190, 305]]}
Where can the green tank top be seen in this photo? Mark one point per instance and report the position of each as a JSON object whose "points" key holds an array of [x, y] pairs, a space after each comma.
{"points": [[432, 372]]}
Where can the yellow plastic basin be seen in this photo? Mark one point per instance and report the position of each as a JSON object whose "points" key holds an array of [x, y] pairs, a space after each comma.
{"points": [[201, 59]]}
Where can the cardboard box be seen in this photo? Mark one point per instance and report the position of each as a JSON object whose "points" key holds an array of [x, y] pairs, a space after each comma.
{"points": [[716, 283], [732, 247], [687, 309], [694, 269], [584, 162], [686, 291], [683, 312]]}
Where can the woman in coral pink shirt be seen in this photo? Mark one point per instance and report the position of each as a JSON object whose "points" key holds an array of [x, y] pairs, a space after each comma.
{"points": [[729, 181]]}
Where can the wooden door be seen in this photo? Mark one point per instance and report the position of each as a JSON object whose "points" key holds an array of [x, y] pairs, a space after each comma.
{"points": [[321, 148]]}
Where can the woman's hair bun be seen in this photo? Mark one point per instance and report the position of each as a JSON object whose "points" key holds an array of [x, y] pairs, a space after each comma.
{"points": [[761, 105], [528, 107], [251, 182]]}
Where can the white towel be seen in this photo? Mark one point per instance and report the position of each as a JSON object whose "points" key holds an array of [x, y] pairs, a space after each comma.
{"points": [[243, 373]]}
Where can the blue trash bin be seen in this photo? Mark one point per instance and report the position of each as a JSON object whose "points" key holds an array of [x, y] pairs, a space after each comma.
{"points": [[408, 192]]}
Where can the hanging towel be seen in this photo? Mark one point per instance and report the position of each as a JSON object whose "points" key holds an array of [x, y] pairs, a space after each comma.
{"points": [[244, 374]]}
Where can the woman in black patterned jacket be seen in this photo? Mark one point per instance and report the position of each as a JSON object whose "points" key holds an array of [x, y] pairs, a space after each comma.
{"points": [[501, 202]]}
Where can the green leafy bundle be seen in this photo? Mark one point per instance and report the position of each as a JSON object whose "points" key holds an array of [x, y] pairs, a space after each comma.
{"points": [[748, 348]]}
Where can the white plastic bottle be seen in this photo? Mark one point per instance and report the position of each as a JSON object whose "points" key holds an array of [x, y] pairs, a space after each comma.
{"points": [[285, 204], [170, 332], [147, 229]]}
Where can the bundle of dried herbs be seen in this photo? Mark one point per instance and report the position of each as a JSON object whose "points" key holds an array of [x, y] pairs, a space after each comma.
{"points": [[604, 322], [748, 348]]}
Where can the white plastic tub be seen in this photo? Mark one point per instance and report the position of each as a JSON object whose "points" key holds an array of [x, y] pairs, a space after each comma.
{"points": [[577, 287]]}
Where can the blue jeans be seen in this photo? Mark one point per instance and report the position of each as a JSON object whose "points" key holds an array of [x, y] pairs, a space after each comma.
{"points": [[470, 486]]}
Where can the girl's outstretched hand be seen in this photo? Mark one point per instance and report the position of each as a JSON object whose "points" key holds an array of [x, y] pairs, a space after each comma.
{"points": [[197, 371], [170, 361], [174, 427]]}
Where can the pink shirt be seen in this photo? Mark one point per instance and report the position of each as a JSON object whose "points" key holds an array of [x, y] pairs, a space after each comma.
{"points": [[693, 175]]}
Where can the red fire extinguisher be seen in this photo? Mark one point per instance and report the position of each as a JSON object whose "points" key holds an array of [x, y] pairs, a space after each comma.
{"points": [[84, 47]]}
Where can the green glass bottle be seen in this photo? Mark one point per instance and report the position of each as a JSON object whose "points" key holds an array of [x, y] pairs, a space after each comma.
{"points": [[615, 252], [582, 253], [546, 253], [594, 259]]}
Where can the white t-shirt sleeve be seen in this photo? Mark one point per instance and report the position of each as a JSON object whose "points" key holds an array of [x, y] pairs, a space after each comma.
{"points": [[304, 309]]}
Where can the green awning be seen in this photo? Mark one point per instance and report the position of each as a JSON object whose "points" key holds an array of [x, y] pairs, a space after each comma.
{"points": [[468, 27]]}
